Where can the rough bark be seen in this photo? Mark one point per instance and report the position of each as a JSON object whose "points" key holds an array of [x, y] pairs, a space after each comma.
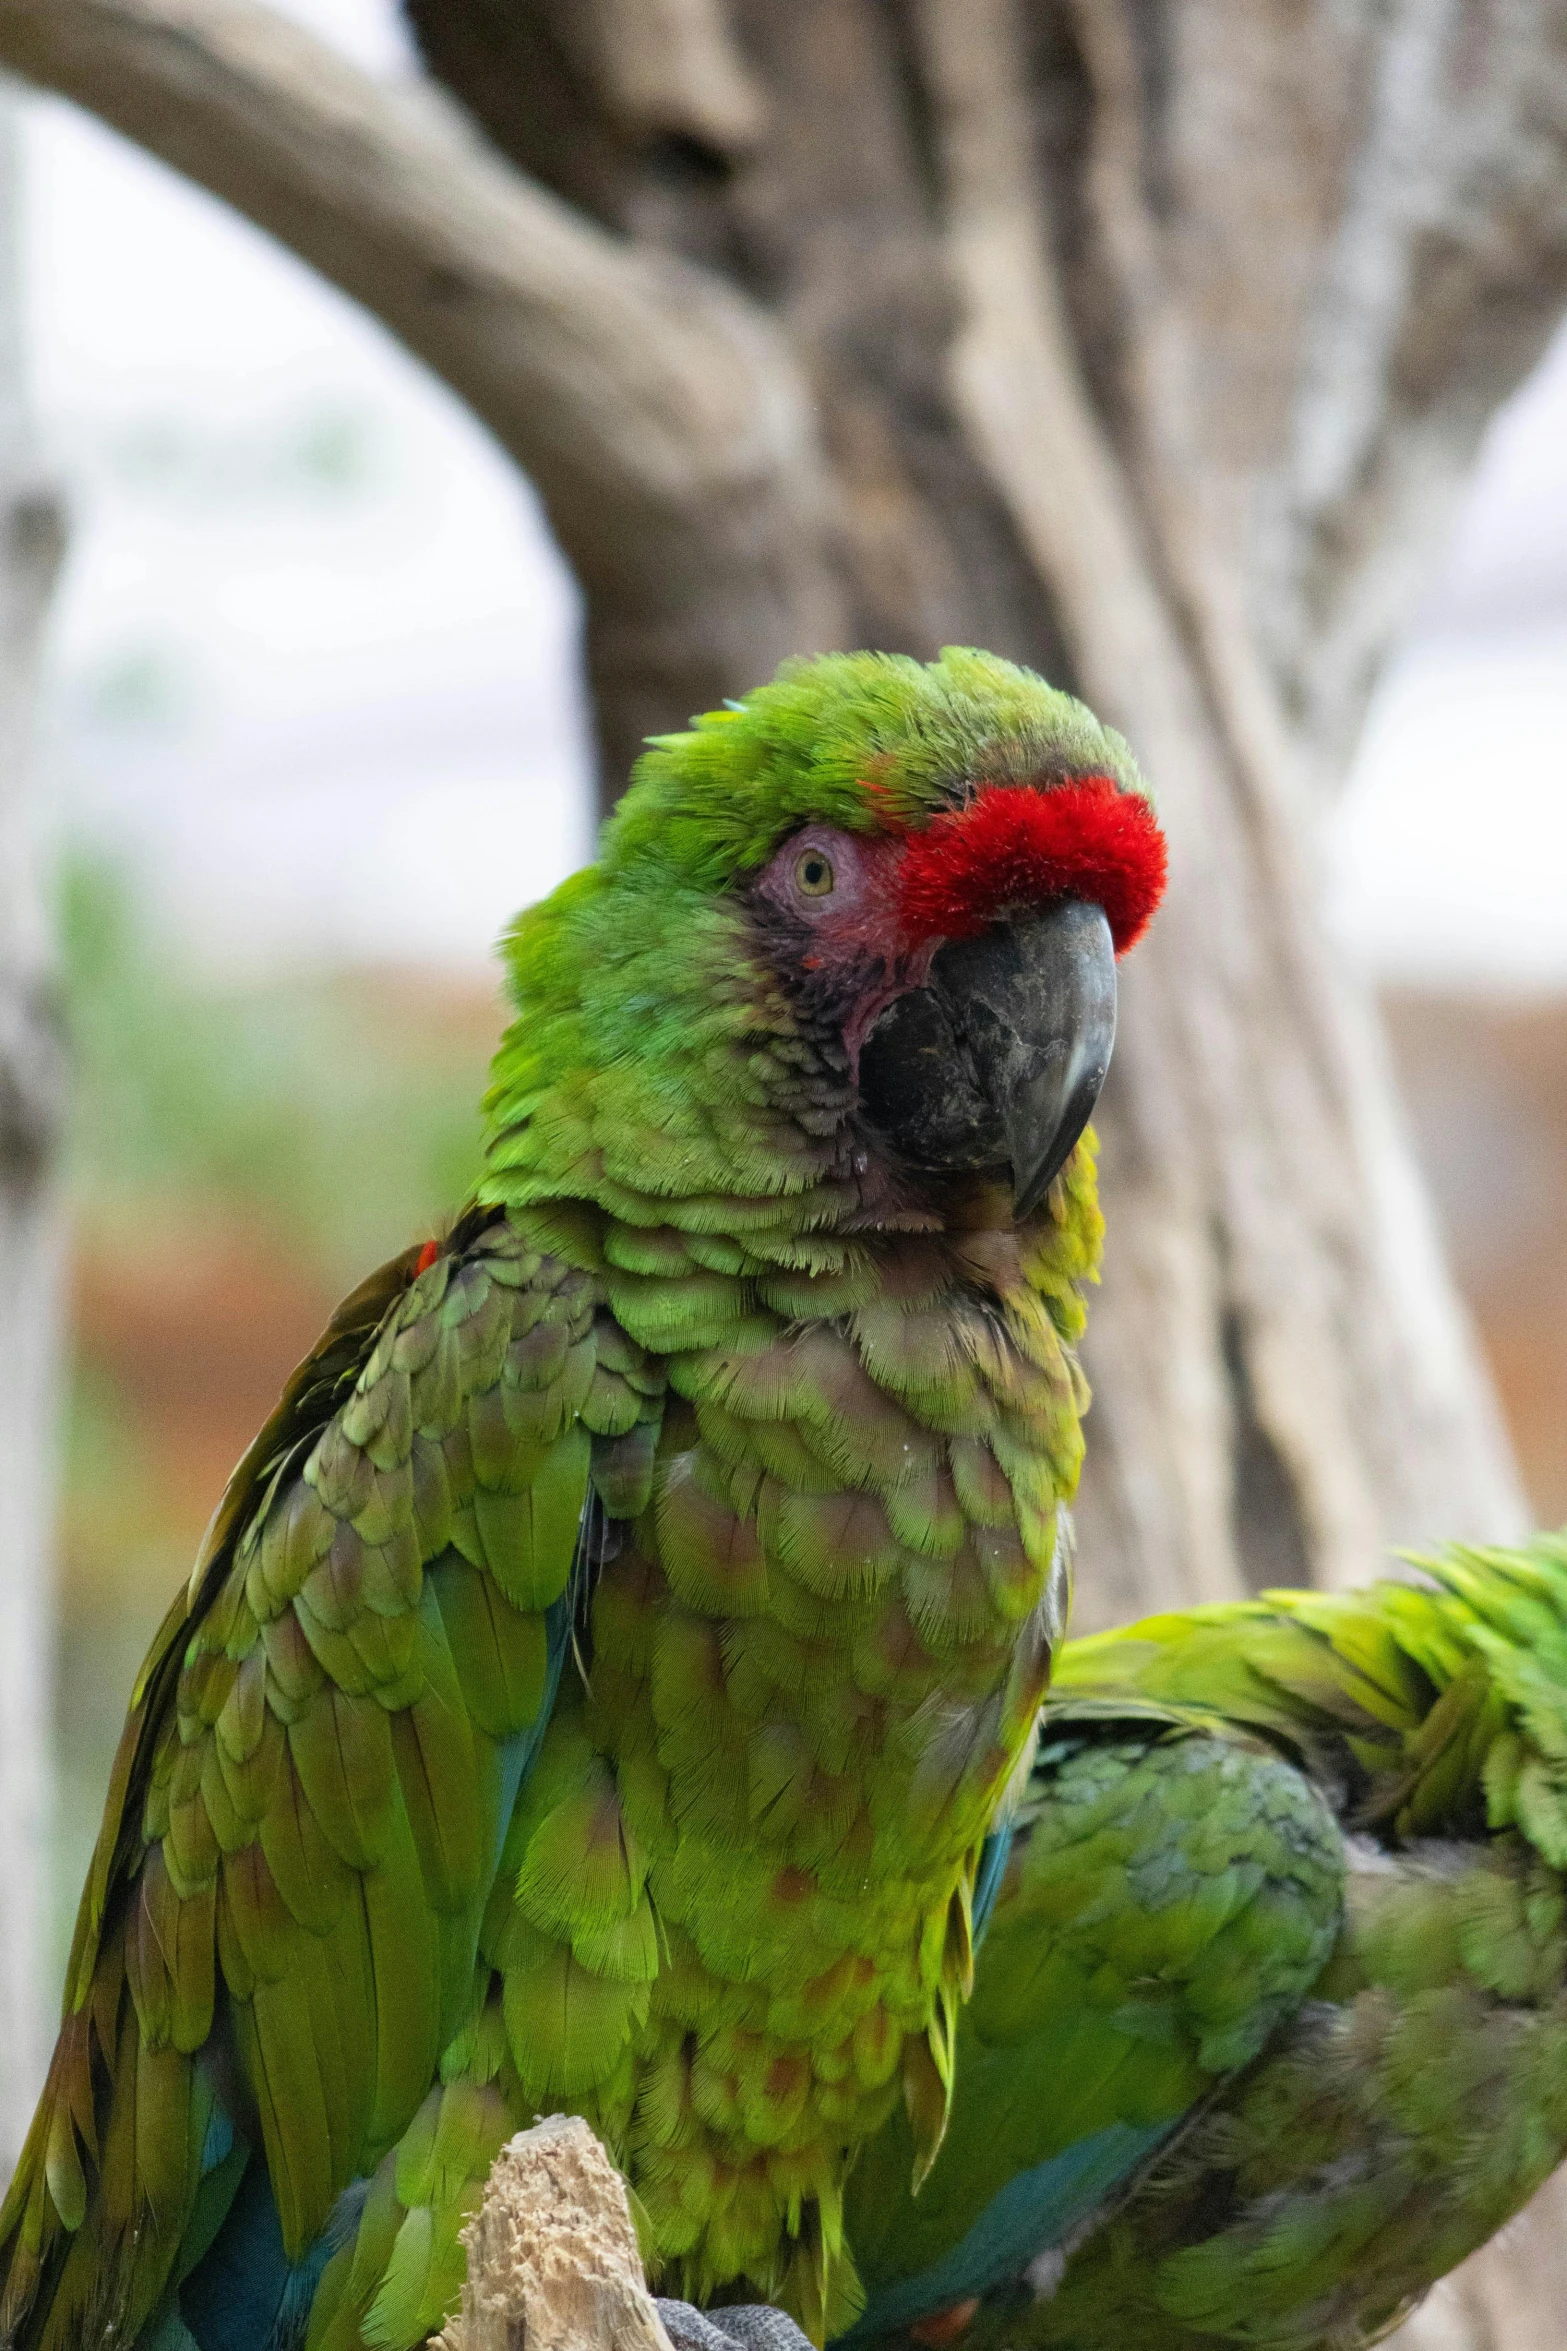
{"points": [[552, 2254], [661, 416], [1144, 340], [30, 1108]]}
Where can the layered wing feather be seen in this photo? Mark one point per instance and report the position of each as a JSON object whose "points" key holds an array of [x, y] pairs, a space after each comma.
{"points": [[279, 1932], [1173, 1891], [1409, 2110], [1419, 2097], [1399, 2112]]}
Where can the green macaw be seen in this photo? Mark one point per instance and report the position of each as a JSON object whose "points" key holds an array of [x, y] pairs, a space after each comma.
{"points": [[1269, 2029], [606, 1667]]}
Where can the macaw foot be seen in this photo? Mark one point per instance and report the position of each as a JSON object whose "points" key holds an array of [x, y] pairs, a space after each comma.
{"points": [[747, 2326]]}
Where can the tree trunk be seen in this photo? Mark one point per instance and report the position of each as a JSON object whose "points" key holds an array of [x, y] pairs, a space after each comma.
{"points": [[1139, 349], [30, 1227]]}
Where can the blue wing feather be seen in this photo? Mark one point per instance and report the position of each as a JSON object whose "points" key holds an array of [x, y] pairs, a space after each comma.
{"points": [[987, 1878], [1034, 2212]]}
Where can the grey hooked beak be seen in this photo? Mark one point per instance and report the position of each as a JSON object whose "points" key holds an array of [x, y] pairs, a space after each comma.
{"points": [[998, 1060]]}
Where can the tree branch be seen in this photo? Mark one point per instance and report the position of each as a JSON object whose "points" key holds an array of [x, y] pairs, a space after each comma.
{"points": [[659, 412], [1445, 277], [673, 66], [1318, 248]]}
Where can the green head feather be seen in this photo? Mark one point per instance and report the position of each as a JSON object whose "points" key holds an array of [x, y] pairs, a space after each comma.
{"points": [[714, 803], [653, 1056]]}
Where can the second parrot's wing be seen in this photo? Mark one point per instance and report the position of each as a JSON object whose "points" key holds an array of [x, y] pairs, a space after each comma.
{"points": [[279, 1932], [1173, 1891]]}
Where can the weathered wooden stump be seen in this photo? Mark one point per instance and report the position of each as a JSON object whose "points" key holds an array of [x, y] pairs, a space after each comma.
{"points": [[553, 2263]]}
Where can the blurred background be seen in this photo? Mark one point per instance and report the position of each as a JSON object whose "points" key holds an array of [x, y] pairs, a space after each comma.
{"points": [[313, 730]]}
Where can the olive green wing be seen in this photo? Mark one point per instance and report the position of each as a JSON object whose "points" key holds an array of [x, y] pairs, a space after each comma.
{"points": [[279, 1933], [1173, 1891]]}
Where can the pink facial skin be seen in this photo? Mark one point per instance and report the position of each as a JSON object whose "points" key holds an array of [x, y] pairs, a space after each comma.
{"points": [[854, 946]]}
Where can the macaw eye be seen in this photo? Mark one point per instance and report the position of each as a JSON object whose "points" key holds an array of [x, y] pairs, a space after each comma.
{"points": [[813, 874]]}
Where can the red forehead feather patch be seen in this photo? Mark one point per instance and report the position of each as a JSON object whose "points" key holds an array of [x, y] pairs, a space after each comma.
{"points": [[1014, 845]]}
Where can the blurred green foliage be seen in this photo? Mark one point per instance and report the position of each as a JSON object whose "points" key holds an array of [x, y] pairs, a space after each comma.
{"points": [[341, 1109]]}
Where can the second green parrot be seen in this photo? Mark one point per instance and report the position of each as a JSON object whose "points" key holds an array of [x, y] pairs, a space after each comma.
{"points": [[1269, 2030]]}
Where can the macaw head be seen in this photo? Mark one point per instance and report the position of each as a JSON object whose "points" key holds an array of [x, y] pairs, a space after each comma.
{"points": [[904, 887]]}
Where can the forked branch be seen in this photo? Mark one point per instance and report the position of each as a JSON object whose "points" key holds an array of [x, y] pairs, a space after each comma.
{"points": [[659, 412]]}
